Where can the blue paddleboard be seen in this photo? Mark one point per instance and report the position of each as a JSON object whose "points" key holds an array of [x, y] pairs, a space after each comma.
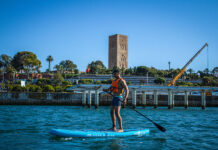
{"points": [[100, 133]]}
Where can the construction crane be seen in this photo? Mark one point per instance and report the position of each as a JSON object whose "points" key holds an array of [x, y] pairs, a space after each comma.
{"points": [[172, 82]]}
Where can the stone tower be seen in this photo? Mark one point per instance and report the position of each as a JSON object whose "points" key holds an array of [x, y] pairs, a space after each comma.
{"points": [[118, 51]]}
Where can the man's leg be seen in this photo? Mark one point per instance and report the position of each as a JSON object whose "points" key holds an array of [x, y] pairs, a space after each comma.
{"points": [[113, 118], [117, 111]]}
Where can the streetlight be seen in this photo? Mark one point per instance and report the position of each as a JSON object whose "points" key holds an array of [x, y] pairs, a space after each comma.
{"points": [[169, 65]]}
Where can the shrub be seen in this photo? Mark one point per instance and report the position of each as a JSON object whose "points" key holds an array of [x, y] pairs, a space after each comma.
{"points": [[58, 89], [48, 88], [9, 87], [128, 83], [159, 80], [98, 82], [43, 81], [65, 88], [29, 80], [197, 84], [104, 82], [65, 82], [68, 76], [107, 81], [76, 71], [75, 75], [181, 83], [8, 82], [58, 78], [208, 81], [86, 81], [38, 89], [35, 88], [189, 84], [18, 82], [18, 88]]}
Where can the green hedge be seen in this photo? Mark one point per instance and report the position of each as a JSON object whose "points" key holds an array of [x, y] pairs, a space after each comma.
{"points": [[159, 80], [48, 88], [18, 88], [86, 81], [35, 88], [58, 89], [107, 81], [98, 82], [182, 83], [43, 82]]}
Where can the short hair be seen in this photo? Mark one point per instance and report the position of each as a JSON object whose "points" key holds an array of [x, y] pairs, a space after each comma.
{"points": [[116, 71]]}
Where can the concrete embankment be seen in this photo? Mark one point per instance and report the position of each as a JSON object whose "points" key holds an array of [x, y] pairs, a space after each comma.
{"points": [[7, 98]]}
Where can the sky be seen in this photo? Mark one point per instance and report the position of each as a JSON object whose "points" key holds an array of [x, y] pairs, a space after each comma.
{"points": [[158, 31]]}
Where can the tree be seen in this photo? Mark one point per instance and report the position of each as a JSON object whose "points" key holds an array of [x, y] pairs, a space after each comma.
{"points": [[173, 72], [68, 65], [142, 70], [128, 71], [26, 61], [214, 71], [97, 67], [206, 71], [190, 71], [76, 71], [5, 65], [58, 67], [49, 59], [58, 79], [5, 61], [209, 81]]}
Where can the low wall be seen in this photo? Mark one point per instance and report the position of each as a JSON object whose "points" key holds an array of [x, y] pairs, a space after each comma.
{"points": [[76, 99]]}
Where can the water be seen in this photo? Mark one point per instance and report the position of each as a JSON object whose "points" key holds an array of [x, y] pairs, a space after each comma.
{"points": [[27, 127]]}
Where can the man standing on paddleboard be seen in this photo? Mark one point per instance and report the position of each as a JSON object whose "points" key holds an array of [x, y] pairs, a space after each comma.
{"points": [[117, 89]]}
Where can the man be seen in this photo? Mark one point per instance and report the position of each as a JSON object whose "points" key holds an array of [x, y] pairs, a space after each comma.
{"points": [[117, 88]]}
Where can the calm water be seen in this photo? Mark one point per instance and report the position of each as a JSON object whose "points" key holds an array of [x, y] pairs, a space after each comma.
{"points": [[27, 127]]}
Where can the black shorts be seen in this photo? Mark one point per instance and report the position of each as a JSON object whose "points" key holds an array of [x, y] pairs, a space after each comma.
{"points": [[117, 101]]}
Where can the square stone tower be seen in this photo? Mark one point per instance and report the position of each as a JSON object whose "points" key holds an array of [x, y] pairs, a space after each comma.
{"points": [[118, 51]]}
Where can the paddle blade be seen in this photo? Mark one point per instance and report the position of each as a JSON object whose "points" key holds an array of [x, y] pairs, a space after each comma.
{"points": [[160, 127]]}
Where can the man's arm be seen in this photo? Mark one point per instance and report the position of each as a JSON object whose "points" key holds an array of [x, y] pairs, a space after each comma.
{"points": [[106, 90], [126, 89]]}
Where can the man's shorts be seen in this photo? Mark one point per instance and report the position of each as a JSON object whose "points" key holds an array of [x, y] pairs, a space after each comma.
{"points": [[117, 101]]}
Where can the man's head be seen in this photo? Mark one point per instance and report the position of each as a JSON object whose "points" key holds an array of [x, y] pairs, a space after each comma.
{"points": [[116, 73]]}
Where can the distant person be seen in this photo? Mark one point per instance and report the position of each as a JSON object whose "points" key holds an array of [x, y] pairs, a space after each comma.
{"points": [[117, 89]]}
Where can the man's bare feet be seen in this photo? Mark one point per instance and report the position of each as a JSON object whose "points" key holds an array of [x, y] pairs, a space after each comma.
{"points": [[120, 130], [113, 129]]}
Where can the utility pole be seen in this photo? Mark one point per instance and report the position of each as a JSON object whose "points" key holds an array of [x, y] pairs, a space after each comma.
{"points": [[169, 65], [147, 77]]}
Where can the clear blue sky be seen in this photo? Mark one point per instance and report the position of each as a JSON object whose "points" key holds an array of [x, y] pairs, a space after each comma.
{"points": [[159, 30]]}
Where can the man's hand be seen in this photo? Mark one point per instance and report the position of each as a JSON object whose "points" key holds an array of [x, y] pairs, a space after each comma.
{"points": [[124, 102]]}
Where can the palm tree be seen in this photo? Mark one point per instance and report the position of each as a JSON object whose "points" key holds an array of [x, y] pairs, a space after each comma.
{"points": [[58, 67], [49, 59], [190, 71]]}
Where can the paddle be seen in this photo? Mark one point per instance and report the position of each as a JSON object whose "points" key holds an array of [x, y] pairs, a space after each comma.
{"points": [[157, 125]]}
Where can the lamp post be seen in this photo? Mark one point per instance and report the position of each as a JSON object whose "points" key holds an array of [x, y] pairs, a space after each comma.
{"points": [[147, 77]]}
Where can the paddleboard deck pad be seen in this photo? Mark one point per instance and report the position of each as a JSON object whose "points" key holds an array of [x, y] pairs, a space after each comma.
{"points": [[98, 133]]}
